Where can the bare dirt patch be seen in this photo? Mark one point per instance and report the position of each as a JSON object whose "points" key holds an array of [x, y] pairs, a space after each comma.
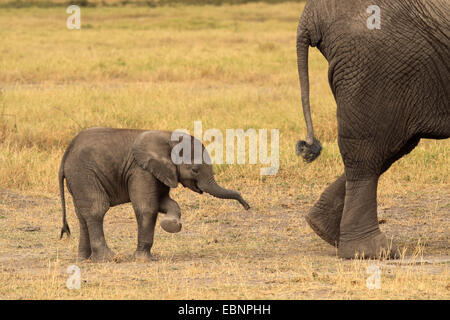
{"points": [[267, 252]]}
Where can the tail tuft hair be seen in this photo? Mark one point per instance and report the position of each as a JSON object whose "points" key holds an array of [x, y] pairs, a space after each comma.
{"points": [[308, 152], [65, 229]]}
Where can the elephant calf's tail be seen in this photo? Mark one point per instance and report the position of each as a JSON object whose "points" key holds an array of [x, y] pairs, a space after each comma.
{"points": [[311, 148], [65, 228]]}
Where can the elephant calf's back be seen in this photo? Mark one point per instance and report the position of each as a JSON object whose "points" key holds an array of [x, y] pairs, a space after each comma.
{"points": [[99, 158]]}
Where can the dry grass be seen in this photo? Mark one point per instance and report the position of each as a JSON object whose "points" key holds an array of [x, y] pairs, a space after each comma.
{"points": [[164, 68]]}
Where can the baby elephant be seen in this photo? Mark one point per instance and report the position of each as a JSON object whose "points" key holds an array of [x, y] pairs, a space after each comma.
{"points": [[106, 167]]}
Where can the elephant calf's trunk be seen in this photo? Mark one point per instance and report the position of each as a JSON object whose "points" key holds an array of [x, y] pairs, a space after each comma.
{"points": [[217, 191]]}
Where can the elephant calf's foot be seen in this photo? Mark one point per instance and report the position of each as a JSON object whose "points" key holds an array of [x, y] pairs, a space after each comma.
{"points": [[84, 255], [171, 225], [104, 255], [373, 247], [143, 255], [325, 223]]}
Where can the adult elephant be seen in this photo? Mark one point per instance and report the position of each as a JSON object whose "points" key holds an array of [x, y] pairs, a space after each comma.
{"points": [[389, 71]]}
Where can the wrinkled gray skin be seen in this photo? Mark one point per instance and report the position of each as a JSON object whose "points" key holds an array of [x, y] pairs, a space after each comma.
{"points": [[392, 88], [107, 167]]}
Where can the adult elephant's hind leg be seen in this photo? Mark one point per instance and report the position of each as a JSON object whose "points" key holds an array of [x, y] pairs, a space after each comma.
{"points": [[325, 216], [360, 235]]}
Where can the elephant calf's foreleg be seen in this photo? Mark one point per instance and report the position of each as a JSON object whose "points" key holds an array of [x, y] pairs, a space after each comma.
{"points": [[146, 219], [325, 216], [171, 220]]}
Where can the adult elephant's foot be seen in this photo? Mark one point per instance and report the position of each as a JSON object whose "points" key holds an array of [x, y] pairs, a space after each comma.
{"points": [[360, 235], [143, 256], [325, 223], [325, 217], [375, 246], [171, 224], [104, 255]]}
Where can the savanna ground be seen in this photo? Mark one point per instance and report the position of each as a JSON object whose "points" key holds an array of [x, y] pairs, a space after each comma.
{"points": [[230, 66]]}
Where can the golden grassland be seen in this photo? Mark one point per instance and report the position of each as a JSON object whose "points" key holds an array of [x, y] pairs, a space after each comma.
{"points": [[120, 3], [164, 68]]}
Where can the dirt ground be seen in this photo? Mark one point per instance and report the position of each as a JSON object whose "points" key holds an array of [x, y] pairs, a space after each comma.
{"points": [[228, 253]]}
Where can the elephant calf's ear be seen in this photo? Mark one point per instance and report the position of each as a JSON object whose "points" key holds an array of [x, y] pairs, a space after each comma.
{"points": [[152, 153]]}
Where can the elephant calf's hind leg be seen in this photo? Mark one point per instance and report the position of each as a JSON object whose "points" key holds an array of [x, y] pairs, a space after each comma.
{"points": [[84, 245], [92, 243], [100, 250]]}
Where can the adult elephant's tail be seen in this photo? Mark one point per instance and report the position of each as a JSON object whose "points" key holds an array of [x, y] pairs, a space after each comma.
{"points": [[311, 148]]}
